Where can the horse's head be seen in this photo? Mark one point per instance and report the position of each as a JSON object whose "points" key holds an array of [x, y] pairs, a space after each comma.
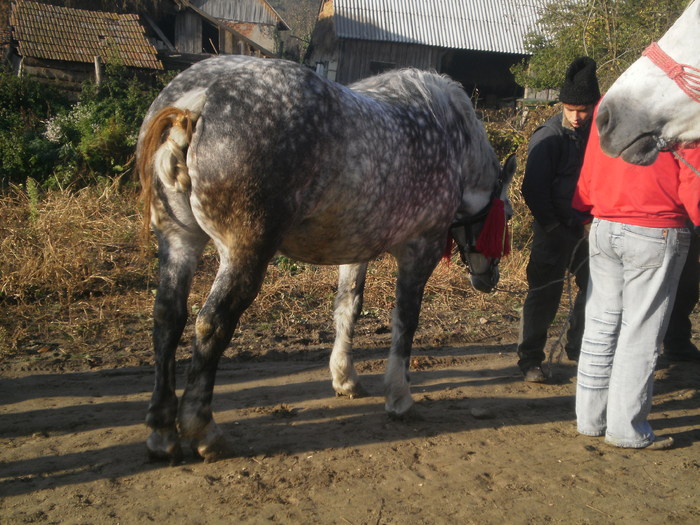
{"points": [[656, 101], [480, 243]]}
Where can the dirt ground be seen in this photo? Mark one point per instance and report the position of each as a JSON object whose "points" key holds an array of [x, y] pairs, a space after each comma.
{"points": [[488, 448]]}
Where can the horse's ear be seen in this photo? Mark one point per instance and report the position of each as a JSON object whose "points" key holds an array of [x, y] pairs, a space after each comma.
{"points": [[508, 171]]}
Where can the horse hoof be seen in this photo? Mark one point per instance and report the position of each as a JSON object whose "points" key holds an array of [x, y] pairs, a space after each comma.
{"points": [[164, 446], [173, 458], [352, 391], [411, 415], [213, 452], [400, 406], [214, 446]]}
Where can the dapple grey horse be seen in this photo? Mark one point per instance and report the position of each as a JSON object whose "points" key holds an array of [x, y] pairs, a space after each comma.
{"points": [[264, 156], [656, 101]]}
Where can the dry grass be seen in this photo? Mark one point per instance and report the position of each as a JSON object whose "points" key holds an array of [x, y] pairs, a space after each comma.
{"points": [[65, 260], [74, 287], [67, 245]]}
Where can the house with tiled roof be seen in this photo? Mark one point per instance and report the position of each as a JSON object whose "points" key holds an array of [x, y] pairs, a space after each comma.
{"points": [[474, 41], [70, 45]]}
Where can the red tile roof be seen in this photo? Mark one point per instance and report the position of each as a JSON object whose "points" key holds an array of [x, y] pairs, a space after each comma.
{"points": [[75, 35], [5, 36]]}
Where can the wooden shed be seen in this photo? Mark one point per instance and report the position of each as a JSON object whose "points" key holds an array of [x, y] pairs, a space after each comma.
{"points": [[202, 28], [474, 41]]}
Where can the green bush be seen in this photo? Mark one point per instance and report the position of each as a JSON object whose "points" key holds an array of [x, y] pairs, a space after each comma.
{"points": [[95, 138], [24, 107], [62, 144]]}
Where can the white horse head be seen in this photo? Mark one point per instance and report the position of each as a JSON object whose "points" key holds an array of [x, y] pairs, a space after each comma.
{"points": [[646, 108]]}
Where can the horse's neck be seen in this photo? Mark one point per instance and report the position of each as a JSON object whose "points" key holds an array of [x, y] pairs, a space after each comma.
{"points": [[472, 203], [682, 40]]}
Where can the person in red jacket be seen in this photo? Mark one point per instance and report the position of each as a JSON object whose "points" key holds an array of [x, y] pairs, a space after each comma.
{"points": [[638, 243]]}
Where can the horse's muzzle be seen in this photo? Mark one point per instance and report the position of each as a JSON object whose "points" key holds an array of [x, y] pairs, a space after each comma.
{"points": [[486, 282], [635, 141]]}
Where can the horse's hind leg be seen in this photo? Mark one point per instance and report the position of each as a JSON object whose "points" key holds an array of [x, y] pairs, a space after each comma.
{"points": [[237, 283], [348, 304], [178, 254]]}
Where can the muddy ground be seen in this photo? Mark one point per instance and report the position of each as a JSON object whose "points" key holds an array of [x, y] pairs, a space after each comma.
{"points": [[489, 448]]}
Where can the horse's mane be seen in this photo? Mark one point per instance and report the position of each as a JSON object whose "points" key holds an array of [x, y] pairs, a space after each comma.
{"points": [[446, 100]]}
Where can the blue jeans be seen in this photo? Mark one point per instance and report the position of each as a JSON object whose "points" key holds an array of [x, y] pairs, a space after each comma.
{"points": [[634, 273]]}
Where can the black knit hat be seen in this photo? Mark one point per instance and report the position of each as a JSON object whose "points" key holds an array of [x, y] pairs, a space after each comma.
{"points": [[581, 84]]}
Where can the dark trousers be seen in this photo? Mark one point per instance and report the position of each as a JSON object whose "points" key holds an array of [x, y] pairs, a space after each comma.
{"points": [[552, 254], [679, 327]]}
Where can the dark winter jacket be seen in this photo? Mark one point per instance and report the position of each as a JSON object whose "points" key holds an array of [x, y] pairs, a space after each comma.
{"points": [[555, 157]]}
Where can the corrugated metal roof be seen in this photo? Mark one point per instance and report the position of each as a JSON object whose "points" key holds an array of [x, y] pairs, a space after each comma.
{"points": [[481, 25], [75, 35], [253, 11]]}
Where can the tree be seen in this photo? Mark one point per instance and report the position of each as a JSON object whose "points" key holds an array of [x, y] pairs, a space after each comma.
{"points": [[301, 17], [613, 32]]}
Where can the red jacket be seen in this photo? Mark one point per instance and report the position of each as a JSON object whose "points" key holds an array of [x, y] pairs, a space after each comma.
{"points": [[663, 195]]}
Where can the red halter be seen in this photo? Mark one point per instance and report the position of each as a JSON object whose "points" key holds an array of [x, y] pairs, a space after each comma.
{"points": [[687, 77]]}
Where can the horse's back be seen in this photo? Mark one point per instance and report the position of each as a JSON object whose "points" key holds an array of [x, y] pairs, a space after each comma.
{"points": [[251, 106]]}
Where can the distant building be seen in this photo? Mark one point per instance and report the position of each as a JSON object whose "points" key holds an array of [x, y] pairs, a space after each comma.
{"points": [[474, 41], [68, 46]]}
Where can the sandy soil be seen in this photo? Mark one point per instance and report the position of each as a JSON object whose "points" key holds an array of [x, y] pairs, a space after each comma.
{"points": [[489, 449]]}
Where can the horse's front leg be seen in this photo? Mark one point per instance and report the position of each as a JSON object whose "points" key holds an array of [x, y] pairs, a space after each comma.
{"points": [[178, 256], [348, 305], [416, 263]]}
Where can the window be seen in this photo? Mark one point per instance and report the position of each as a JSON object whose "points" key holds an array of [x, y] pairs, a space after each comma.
{"points": [[376, 67]]}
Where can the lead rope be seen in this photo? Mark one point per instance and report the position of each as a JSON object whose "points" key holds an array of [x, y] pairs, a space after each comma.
{"points": [[680, 157], [552, 356], [663, 145], [685, 76]]}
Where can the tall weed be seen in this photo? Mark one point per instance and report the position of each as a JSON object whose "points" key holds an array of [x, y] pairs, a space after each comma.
{"points": [[67, 244]]}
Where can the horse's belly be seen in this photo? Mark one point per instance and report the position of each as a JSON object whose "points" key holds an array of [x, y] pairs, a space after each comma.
{"points": [[325, 244]]}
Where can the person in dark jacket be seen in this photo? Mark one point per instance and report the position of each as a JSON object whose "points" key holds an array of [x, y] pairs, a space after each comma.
{"points": [[677, 341], [555, 156]]}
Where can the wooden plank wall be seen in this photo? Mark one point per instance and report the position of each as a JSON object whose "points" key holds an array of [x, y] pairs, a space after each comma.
{"points": [[188, 33], [355, 57]]}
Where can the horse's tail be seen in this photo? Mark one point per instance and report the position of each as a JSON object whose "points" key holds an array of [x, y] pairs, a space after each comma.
{"points": [[163, 151]]}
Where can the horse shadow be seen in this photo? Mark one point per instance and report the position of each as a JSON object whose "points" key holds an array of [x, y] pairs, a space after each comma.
{"points": [[277, 412]]}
